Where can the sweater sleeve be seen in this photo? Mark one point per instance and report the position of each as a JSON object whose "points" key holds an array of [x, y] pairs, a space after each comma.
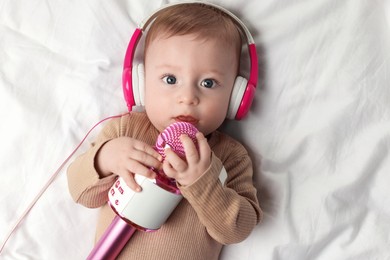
{"points": [[85, 184], [229, 212]]}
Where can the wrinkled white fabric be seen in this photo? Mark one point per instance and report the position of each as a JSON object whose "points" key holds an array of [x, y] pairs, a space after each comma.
{"points": [[318, 130]]}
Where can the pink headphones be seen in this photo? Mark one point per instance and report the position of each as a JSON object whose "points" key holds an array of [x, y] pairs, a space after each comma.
{"points": [[243, 90]]}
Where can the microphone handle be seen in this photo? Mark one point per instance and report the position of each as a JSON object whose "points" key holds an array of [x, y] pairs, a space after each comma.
{"points": [[113, 240]]}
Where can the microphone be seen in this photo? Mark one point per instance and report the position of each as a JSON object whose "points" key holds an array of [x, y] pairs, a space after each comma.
{"points": [[170, 137], [146, 210]]}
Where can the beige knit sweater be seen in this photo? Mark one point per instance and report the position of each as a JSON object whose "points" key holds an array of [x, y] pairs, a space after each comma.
{"points": [[211, 213]]}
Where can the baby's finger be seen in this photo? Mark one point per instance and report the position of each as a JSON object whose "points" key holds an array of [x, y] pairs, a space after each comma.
{"points": [[168, 170], [143, 147], [146, 159], [128, 177], [174, 160], [204, 147], [139, 168], [191, 152]]}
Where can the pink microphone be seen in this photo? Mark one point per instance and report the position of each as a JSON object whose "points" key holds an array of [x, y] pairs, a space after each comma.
{"points": [[146, 210]]}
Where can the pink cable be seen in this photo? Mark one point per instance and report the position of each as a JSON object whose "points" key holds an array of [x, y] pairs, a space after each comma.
{"points": [[50, 181]]}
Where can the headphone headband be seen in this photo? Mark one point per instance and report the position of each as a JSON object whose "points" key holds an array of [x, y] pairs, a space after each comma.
{"points": [[248, 95], [144, 24]]}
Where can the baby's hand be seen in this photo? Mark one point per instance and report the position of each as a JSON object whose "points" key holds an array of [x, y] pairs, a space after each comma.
{"points": [[125, 156], [187, 172]]}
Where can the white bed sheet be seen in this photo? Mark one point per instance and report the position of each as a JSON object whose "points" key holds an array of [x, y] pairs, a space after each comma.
{"points": [[318, 131]]}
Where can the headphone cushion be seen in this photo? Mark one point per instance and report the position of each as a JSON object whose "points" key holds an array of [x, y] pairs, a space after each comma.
{"points": [[238, 92], [138, 84]]}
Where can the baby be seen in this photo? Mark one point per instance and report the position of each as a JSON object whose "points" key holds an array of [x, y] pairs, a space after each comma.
{"points": [[191, 60]]}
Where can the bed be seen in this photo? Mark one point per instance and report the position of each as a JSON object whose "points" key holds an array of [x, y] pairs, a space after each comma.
{"points": [[318, 130]]}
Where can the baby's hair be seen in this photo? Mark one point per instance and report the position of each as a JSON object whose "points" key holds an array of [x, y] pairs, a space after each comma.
{"points": [[201, 20]]}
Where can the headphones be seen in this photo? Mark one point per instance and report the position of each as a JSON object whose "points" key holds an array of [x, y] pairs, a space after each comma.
{"points": [[133, 76]]}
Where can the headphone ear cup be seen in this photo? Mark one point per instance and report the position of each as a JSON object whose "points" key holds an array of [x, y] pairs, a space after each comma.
{"points": [[138, 82], [238, 91]]}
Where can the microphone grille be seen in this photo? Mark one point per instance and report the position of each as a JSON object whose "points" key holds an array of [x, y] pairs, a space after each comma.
{"points": [[170, 137]]}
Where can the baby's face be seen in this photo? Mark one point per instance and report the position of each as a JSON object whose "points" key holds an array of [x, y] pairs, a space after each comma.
{"points": [[189, 79]]}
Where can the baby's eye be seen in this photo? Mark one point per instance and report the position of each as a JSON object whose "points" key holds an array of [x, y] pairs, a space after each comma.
{"points": [[208, 83], [169, 79]]}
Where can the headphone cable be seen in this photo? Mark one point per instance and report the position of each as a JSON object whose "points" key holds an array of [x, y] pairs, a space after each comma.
{"points": [[50, 181]]}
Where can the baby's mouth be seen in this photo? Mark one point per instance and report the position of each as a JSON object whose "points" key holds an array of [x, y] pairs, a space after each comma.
{"points": [[188, 119]]}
